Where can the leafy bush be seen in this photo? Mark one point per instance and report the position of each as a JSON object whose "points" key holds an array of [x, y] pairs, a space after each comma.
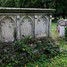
{"points": [[28, 50]]}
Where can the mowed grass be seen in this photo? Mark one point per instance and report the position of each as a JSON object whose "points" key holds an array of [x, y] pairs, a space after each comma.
{"points": [[57, 61]]}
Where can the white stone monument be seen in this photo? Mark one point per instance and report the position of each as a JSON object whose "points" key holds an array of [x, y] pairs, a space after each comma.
{"points": [[15, 23], [61, 27]]}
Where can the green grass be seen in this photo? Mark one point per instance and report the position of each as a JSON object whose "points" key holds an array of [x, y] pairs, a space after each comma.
{"points": [[54, 32], [58, 61], [55, 36]]}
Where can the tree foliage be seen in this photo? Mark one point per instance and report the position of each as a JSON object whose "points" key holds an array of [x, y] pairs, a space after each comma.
{"points": [[25, 3], [60, 6]]}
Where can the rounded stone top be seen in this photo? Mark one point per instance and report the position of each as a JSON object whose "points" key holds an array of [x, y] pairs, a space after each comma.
{"points": [[25, 10]]}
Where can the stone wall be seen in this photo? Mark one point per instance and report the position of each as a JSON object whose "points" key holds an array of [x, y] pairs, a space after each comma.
{"points": [[16, 26]]}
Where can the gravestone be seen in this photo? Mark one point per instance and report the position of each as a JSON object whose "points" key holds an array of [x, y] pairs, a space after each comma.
{"points": [[61, 27], [16, 23]]}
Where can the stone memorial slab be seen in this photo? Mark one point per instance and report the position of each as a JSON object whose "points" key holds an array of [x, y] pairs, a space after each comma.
{"points": [[15, 23]]}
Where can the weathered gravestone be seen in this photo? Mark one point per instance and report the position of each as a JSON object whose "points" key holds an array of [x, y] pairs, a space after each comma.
{"points": [[62, 24], [15, 23]]}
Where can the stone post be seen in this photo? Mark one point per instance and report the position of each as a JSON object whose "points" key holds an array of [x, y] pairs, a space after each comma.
{"points": [[18, 26], [50, 25]]}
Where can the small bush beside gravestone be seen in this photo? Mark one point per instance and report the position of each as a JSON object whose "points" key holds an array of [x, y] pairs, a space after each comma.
{"points": [[28, 50]]}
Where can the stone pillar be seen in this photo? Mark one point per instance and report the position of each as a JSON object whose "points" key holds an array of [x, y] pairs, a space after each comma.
{"points": [[50, 20], [18, 26], [35, 25]]}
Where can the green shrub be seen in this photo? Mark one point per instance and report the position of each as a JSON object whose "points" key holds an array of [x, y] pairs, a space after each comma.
{"points": [[37, 47], [27, 50]]}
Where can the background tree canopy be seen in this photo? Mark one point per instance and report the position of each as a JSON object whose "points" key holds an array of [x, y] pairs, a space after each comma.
{"points": [[60, 6]]}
